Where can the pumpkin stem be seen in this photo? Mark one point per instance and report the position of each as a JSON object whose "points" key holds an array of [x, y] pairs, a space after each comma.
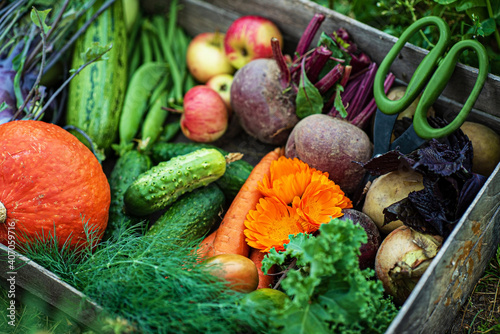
{"points": [[3, 213]]}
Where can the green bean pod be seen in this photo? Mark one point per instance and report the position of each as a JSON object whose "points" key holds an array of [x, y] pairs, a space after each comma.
{"points": [[170, 130], [153, 123], [137, 98], [169, 55]]}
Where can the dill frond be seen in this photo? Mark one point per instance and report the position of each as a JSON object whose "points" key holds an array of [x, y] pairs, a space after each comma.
{"points": [[149, 283]]}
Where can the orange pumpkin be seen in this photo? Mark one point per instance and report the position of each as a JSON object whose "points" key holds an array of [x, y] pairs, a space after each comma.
{"points": [[49, 182]]}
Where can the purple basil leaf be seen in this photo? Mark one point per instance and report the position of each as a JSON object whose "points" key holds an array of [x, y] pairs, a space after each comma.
{"points": [[468, 192], [405, 211], [440, 158], [387, 162], [434, 217]]}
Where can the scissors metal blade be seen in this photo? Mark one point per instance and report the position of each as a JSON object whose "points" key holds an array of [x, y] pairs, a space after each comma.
{"points": [[408, 141], [382, 132]]}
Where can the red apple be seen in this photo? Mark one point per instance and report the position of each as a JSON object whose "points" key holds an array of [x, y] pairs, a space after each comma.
{"points": [[205, 116], [249, 38], [206, 58], [221, 83]]}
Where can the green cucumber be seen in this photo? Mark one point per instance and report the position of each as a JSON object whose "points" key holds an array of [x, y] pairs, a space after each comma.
{"points": [[96, 94], [190, 217], [126, 170], [161, 185], [233, 179]]}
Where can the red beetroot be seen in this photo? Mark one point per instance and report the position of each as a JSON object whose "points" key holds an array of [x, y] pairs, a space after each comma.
{"points": [[266, 111], [331, 145], [370, 248]]}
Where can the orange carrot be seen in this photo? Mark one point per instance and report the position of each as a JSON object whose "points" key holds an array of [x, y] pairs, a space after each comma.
{"points": [[206, 244], [265, 281], [230, 238]]}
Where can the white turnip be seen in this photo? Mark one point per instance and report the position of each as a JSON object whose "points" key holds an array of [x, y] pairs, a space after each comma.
{"points": [[402, 258]]}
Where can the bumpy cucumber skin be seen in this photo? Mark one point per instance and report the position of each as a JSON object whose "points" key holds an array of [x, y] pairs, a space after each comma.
{"points": [[161, 185], [230, 183], [96, 94], [191, 216], [126, 170]]}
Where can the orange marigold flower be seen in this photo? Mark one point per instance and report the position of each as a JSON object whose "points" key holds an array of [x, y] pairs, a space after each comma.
{"points": [[296, 199], [287, 179], [322, 201], [271, 224]]}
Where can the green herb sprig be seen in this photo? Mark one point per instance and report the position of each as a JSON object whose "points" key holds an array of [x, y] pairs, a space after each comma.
{"points": [[151, 284]]}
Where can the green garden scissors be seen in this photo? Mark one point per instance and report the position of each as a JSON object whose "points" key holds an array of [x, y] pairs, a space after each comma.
{"points": [[434, 72]]}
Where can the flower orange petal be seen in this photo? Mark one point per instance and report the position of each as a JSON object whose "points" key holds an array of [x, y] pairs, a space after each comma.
{"points": [[287, 179], [271, 224], [322, 201]]}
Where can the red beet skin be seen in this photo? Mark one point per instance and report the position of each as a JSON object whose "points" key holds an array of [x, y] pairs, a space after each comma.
{"points": [[266, 111]]}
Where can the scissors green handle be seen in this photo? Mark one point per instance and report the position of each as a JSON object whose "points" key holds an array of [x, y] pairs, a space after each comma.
{"points": [[434, 71]]}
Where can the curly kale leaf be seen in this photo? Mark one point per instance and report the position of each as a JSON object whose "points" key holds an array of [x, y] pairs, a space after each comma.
{"points": [[329, 293]]}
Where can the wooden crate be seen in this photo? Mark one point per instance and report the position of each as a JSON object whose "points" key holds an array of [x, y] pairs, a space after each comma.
{"points": [[460, 263]]}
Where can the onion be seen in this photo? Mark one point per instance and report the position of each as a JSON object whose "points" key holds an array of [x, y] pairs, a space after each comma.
{"points": [[402, 258]]}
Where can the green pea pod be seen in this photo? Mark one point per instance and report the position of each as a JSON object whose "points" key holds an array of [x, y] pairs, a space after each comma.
{"points": [[153, 123], [141, 86]]}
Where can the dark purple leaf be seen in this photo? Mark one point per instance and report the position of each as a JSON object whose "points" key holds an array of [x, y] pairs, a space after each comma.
{"points": [[468, 192], [387, 162], [442, 159]]}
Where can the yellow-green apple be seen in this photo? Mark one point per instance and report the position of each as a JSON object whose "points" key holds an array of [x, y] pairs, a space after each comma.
{"points": [[205, 56], [221, 83], [205, 117], [249, 38]]}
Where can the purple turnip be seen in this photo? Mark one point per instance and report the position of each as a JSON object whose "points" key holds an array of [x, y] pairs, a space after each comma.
{"points": [[402, 258], [369, 249]]}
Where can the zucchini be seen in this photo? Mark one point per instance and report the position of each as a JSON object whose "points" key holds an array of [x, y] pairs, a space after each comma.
{"points": [[96, 94], [161, 185], [126, 170], [230, 183], [191, 217]]}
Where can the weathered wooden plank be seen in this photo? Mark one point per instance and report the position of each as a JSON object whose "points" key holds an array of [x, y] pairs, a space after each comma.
{"points": [[45, 285], [292, 16], [452, 275]]}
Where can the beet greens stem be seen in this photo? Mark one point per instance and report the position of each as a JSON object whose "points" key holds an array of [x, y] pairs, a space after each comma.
{"points": [[281, 61], [330, 79], [361, 120], [362, 92], [316, 62], [308, 35]]}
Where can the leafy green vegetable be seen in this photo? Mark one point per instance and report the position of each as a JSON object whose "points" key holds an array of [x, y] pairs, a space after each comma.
{"points": [[330, 294], [337, 103], [309, 100], [38, 17]]}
